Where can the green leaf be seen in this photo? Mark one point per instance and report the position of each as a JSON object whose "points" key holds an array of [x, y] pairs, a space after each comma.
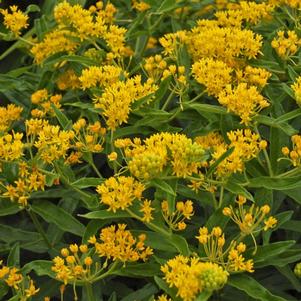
{"points": [[8, 208], [163, 286], [268, 251], [141, 294], [167, 5], [163, 186], [14, 256], [205, 108], [105, 214], [275, 183], [64, 121], [237, 189], [204, 296], [87, 182], [40, 267], [32, 8], [252, 288], [139, 270], [54, 214]]}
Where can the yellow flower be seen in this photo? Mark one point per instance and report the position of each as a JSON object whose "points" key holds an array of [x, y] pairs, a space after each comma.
{"points": [[14, 21], [146, 209], [120, 192], [213, 74], [8, 115], [119, 244], [31, 290], [297, 90]]}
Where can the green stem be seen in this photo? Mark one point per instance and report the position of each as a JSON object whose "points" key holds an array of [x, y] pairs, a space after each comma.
{"points": [[104, 275], [113, 150], [168, 100], [39, 228], [290, 172], [89, 292], [221, 197]]}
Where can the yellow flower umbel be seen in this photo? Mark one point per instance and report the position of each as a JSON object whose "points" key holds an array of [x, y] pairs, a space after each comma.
{"points": [[213, 244], [243, 101], [149, 159], [53, 143], [120, 192], [253, 76], [14, 21], [286, 44], [176, 219], [43, 101], [75, 264], [213, 74], [294, 154], [99, 76], [190, 276], [250, 220], [22, 286], [88, 137], [11, 146], [54, 42], [8, 115], [30, 179], [117, 243], [116, 100], [246, 145], [297, 90], [68, 80]]}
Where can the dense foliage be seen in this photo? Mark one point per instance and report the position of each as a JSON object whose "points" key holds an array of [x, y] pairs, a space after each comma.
{"points": [[149, 150]]}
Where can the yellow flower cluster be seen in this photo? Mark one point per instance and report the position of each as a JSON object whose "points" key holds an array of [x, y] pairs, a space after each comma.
{"points": [[297, 90], [148, 159], [58, 40], [119, 244], [120, 192], [99, 76], [14, 21], [244, 12], [76, 24], [222, 43], [243, 101], [88, 137], [246, 146], [253, 76], [252, 219], [11, 146], [190, 276], [115, 102], [286, 44], [141, 6], [173, 41], [146, 210], [74, 265], [295, 153], [30, 179], [213, 244], [68, 80], [8, 115], [43, 100], [53, 143], [23, 287], [176, 219], [213, 74]]}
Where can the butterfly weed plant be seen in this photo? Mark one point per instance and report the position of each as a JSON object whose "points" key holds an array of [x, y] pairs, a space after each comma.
{"points": [[150, 150]]}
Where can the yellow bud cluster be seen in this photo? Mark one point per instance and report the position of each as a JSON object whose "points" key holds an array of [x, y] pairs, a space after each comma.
{"points": [[252, 219], [68, 80], [295, 153], [175, 219], [148, 159], [190, 276]]}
